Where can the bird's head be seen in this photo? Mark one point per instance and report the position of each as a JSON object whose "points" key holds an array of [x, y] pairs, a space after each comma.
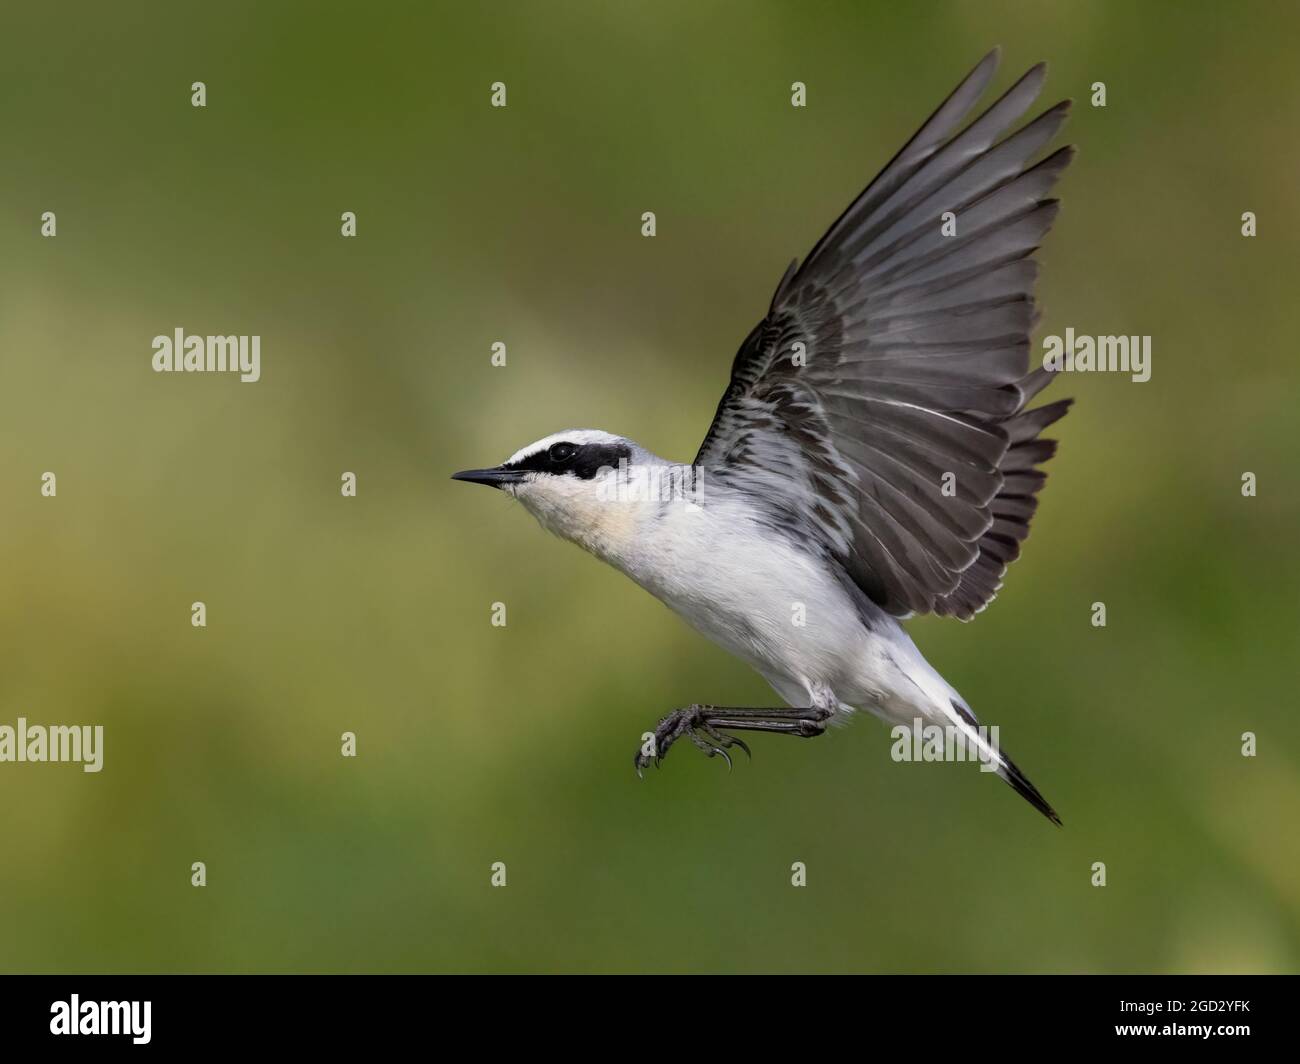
{"points": [[575, 483]]}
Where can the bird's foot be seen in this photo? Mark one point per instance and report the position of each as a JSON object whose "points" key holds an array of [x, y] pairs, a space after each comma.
{"points": [[693, 723], [701, 725]]}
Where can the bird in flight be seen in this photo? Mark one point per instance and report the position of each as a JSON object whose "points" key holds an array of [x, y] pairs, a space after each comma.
{"points": [[874, 455]]}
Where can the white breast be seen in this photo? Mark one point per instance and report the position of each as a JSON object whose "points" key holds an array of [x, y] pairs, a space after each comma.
{"points": [[761, 597]]}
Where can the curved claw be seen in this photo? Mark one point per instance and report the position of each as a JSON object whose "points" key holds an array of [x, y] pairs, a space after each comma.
{"points": [[694, 723], [640, 761], [743, 745], [725, 739]]}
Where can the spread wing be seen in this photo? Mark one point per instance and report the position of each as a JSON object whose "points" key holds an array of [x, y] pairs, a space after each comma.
{"points": [[898, 353]]}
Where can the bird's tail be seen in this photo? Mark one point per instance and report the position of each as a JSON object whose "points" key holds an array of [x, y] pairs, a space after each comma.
{"points": [[1006, 768], [1009, 772], [940, 703]]}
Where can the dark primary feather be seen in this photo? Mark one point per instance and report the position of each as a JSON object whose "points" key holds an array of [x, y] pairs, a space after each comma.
{"points": [[915, 351]]}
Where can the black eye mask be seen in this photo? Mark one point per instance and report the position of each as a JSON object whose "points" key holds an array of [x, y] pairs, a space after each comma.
{"points": [[583, 461]]}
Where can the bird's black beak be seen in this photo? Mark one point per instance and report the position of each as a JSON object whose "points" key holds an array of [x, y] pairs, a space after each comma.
{"points": [[494, 478]]}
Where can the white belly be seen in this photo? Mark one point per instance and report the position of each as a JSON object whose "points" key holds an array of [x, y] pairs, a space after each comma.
{"points": [[780, 608], [766, 601]]}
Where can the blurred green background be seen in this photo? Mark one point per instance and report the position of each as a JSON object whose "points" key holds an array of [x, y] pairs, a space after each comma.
{"points": [[479, 744]]}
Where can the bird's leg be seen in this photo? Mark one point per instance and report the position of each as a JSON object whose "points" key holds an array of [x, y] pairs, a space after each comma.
{"points": [[701, 723]]}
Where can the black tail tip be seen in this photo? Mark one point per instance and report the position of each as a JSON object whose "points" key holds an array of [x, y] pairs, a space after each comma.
{"points": [[1027, 790]]}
